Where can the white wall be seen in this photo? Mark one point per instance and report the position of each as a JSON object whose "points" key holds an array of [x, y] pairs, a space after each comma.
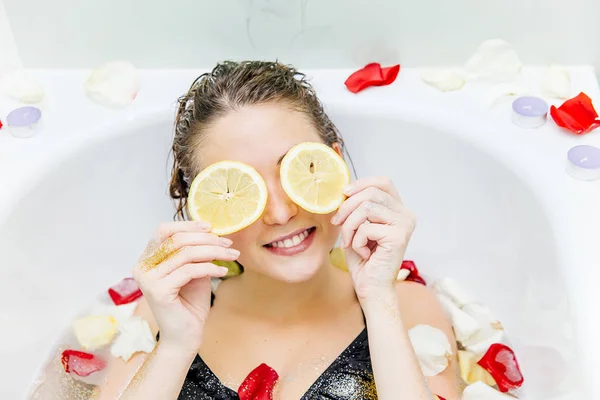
{"points": [[9, 56], [310, 33]]}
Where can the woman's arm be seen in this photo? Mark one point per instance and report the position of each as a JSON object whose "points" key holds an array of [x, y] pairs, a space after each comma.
{"points": [[174, 275], [162, 371], [161, 376], [395, 366], [376, 229]]}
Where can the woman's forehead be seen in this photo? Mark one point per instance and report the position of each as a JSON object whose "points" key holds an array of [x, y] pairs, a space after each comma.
{"points": [[257, 135]]}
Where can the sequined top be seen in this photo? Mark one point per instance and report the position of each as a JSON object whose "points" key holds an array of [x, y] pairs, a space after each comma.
{"points": [[348, 377]]}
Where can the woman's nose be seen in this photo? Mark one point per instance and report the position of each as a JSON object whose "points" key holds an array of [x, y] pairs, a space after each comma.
{"points": [[280, 208]]}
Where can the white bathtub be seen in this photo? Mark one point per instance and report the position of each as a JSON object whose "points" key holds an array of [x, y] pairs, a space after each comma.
{"points": [[501, 216]]}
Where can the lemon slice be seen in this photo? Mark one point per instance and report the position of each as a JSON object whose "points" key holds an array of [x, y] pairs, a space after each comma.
{"points": [[313, 176], [229, 195]]}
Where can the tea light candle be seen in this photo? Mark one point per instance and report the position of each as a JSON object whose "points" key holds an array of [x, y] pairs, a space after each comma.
{"points": [[24, 122], [584, 163], [529, 112]]}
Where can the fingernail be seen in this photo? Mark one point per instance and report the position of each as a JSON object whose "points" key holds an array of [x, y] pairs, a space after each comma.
{"points": [[203, 225], [334, 219], [224, 270], [347, 190], [225, 241], [233, 252]]}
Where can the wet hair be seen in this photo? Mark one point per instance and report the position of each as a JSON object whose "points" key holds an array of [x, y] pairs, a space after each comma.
{"points": [[230, 86]]}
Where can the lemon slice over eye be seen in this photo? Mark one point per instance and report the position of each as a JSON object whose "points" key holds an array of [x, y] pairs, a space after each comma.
{"points": [[230, 195], [313, 176]]}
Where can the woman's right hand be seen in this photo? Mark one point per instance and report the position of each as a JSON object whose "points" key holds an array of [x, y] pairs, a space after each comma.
{"points": [[174, 274]]}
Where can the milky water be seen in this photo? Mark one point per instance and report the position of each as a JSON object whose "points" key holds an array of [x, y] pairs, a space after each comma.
{"points": [[553, 377]]}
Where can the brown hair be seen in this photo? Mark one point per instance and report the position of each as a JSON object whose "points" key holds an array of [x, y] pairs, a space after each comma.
{"points": [[231, 85]]}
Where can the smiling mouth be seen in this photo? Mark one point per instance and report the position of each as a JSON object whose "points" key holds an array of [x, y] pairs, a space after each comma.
{"points": [[291, 241]]}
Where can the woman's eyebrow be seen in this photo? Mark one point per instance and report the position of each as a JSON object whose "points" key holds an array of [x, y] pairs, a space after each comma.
{"points": [[281, 159], [283, 156]]}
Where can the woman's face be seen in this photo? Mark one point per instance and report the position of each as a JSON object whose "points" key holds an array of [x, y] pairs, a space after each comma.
{"points": [[260, 136]]}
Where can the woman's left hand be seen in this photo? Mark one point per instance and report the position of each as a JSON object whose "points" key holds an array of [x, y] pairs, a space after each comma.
{"points": [[376, 228]]}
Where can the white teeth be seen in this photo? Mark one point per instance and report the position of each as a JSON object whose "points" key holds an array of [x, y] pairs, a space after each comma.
{"points": [[291, 242]]}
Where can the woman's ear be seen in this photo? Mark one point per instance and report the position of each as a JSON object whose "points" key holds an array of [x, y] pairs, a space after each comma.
{"points": [[338, 148]]}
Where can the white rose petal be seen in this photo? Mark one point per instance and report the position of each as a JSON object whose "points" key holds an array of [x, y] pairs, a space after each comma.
{"points": [[121, 313], [494, 59], [21, 86], [452, 289], [114, 84], [135, 336], [491, 330], [403, 274], [556, 82], [481, 391], [481, 347], [432, 348], [214, 283], [94, 331], [472, 372], [464, 325], [443, 80]]}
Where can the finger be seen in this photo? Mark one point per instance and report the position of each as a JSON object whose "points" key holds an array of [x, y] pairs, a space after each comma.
{"points": [[381, 182], [186, 273], [372, 194], [168, 229], [366, 233], [360, 241], [193, 254], [366, 211], [178, 241]]}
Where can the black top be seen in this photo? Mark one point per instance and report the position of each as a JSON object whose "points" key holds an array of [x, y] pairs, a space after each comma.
{"points": [[349, 377]]}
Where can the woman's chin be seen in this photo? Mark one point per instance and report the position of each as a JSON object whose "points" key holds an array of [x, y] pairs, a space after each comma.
{"points": [[297, 269]]}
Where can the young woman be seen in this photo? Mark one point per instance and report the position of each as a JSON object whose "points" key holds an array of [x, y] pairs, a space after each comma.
{"points": [[327, 333]]}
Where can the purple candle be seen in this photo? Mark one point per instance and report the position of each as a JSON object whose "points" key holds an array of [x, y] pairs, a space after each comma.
{"points": [[24, 122], [584, 163], [529, 112]]}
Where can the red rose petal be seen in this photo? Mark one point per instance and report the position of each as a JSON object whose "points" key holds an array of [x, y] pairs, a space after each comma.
{"points": [[259, 384], [371, 75], [413, 275], [81, 363], [577, 114], [124, 292], [501, 363], [389, 74]]}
